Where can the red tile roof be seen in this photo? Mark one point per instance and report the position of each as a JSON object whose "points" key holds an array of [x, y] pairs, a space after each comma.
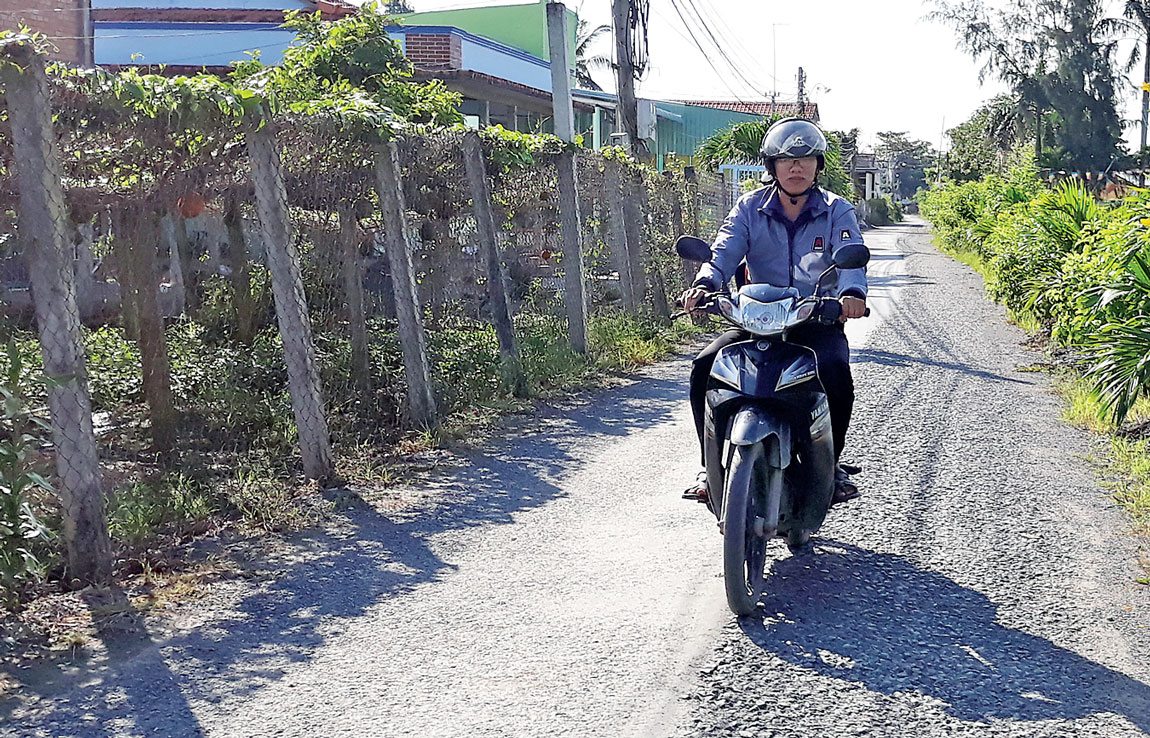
{"points": [[761, 107]]}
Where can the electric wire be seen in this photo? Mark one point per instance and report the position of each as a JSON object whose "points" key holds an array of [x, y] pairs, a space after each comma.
{"points": [[719, 48], [691, 25], [726, 32], [737, 69], [707, 57]]}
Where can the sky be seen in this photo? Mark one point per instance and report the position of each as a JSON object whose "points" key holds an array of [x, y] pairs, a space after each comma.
{"points": [[875, 66]]}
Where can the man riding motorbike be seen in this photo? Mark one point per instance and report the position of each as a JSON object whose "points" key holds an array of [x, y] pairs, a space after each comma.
{"points": [[785, 234]]}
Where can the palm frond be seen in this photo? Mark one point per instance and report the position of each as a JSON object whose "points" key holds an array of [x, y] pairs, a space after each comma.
{"points": [[1120, 368]]}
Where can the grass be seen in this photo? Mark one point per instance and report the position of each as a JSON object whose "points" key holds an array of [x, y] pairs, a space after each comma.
{"points": [[170, 502], [1130, 462], [1127, 466], [972, 259], [1026, 321]]}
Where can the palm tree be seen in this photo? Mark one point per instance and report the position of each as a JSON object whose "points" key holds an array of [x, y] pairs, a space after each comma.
{"points": [[584, 37]]}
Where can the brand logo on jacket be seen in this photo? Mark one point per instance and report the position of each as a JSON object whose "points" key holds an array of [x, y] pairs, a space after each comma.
{"points": [[818, 243], [846, 235]]}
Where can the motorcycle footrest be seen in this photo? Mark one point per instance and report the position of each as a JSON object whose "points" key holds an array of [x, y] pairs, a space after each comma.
{"points": [[696, 496]]}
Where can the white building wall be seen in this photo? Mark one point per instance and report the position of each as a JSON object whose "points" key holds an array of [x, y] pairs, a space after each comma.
{"points": [[208, 44], [489, 57], [212, 4], [486, 60]]}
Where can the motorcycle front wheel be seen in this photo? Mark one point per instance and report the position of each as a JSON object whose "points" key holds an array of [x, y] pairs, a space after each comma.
{"points": [[750, 483]]}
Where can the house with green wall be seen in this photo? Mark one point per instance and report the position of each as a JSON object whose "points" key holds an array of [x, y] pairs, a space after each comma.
{"points": [[497, 57], [522, 26]]}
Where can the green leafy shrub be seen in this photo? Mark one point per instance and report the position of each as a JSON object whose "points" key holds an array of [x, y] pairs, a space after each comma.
{"points": [[114, 373], [878, 211], [21, 532], [1073, 266]]}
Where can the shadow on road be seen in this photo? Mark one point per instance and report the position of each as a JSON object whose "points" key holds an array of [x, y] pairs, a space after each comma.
{"points": [[881, 621], [890, 358], [895, 281], [337, 575]]}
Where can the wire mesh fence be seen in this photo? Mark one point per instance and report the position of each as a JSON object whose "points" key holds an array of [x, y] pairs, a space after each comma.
{"points": [[227, 294]]}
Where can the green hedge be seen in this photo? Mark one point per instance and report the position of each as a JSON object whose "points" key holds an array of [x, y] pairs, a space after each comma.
{"points": [[1077, 268]]}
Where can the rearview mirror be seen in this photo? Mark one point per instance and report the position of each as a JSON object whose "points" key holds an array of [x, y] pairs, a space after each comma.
{"points": [[852, 256], [693, 249]]}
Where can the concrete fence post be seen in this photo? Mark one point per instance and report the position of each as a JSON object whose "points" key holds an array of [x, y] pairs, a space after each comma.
{"points": [[139, 229], [570, 228], [633, 229], [45, 226], [291, 304], [353, 288], [243, 302], [175, 265], [412, 341], [496, 278], [617, 235]]}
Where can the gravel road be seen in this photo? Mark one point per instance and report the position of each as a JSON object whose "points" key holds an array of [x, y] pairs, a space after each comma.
{"points": [[983, 587], [556, 585]]}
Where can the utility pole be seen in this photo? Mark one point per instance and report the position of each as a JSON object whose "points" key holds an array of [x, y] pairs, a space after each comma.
{"points": [[557, 42], [802, 89], [627, 112], [774, 65]]}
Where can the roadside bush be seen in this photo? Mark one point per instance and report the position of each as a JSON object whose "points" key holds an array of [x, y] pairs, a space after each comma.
{"points": [[22, 535], [878, 211], [1078, 269]]}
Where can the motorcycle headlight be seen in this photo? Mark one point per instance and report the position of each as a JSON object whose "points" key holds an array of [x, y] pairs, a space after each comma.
{"points": [[764, 318]]}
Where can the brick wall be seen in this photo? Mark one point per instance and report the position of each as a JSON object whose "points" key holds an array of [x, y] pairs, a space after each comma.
{"points": [[434, 51], [57, 19]]}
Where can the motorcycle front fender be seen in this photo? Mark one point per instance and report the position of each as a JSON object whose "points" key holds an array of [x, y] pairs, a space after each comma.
{"points": [[753, 424]]}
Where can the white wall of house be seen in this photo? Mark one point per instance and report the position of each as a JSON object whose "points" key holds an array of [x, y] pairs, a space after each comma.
{"points": [[212, 4], [207, 44], [525, 69], [485, 56]]}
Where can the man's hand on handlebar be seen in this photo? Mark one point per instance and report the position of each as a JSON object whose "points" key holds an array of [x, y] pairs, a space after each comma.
{"points": [[691, 298], [853, 307]]}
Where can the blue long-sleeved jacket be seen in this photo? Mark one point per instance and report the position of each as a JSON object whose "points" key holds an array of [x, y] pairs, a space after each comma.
{"points": [[783, 253]]}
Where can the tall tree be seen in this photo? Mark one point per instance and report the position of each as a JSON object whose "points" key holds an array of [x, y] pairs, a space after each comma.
{"points": [[981, 144], [1138, 13], [1057, 55], [908, 159]]}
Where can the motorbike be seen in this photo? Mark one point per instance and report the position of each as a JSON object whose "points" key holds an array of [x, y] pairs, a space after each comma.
{"points": [[767, 441]]}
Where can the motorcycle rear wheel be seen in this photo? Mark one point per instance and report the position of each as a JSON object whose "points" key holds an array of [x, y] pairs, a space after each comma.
{"points": [[744, 552]]}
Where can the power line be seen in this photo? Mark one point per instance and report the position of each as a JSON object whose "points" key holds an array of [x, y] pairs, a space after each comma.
{"points": [[706, 56], [735, 68], [217, 53], [726, 32]]}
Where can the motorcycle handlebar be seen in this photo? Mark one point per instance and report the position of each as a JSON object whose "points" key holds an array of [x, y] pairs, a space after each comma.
{"points": [[824, 311]]}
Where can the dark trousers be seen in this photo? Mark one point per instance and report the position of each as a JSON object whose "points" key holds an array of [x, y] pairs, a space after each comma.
{"points": [[830, 346]]}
